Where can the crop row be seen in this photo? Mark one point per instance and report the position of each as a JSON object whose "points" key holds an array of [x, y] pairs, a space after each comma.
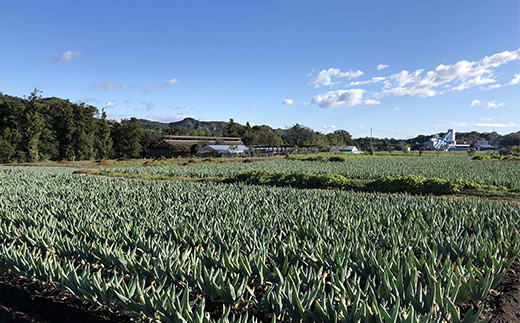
{"points": [[182, 251], [497, 173]]}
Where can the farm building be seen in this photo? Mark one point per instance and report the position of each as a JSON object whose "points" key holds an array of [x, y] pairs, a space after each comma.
{"points": [[171, 146], [189, 141], [223, 150], [482, 145], [345, 149]]}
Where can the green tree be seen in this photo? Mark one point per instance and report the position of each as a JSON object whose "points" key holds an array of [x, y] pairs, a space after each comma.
{"points": [[103, 139], [231, 129], [127, 137]]}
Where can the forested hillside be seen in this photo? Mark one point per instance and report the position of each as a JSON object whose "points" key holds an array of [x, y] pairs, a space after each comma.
{"points": [[35, 128]]}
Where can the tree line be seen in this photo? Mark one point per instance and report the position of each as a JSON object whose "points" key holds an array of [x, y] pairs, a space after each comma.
{"points": [[33, 129]]}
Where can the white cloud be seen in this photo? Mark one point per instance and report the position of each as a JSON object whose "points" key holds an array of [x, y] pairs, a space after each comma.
{"points": [[110, 104], [287, 102], [515, 80], [501, 58], [459, 76], [372, 80], [339, 98], [67, 56], [325, 129], [494, 105], [254, 107], [148, 105], [459, 124], [154, 87], [381, 67], [479, 80], [486, 119], [396, 108], [172, 81], [89, 99], [497, 125], [371, 102], [492, 87], [325, 77], [106, 86], [177, 107], [475, 102]]}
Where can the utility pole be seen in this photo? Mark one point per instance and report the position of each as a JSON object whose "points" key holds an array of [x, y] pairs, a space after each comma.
{"points": [[371, 149]]}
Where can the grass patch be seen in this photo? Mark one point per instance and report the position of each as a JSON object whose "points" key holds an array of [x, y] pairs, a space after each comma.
{"points": [[388, 184]]}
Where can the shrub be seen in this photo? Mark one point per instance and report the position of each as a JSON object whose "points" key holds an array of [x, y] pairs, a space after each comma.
{"points": [[337, 159]]}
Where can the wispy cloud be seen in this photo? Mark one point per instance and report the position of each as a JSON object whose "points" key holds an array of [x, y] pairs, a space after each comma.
{"points": [[492, 87], [66, 57], [89, 99], [148, 105], [494, 105], [372, 80], [456, 77], [327, 77], [254, 106], [339, 98], [475, 102], [497, 125], [381, 67], [371, 102], [177, 107], [153, 87], [110, 104], [107, 86], [515, 80], [325, 129], [287, 102], [172, 81]]}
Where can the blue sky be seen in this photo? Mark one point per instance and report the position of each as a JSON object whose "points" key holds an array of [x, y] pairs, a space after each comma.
{"points": [[401, 67]]}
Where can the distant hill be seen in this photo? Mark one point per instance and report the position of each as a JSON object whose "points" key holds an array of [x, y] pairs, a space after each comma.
{"points": [[188, 123]]}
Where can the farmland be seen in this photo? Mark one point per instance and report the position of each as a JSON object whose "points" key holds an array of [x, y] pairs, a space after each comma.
{"points": [[180, 251], [446, 167]]}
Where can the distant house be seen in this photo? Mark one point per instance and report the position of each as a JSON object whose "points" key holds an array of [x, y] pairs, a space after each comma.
{"points": [[223, 150], [482, 145], [345, 149]]}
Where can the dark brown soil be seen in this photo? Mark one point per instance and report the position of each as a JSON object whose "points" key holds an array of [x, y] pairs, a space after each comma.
{"points": [[23, 300], [504, 303], [248, 160]]}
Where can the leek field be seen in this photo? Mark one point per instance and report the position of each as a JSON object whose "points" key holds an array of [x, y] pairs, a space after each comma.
{"points": [[501, 173], [180, 251]]}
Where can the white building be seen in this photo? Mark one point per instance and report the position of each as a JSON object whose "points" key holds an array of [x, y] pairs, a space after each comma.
{"points": [[223, 150], [345, 149]]}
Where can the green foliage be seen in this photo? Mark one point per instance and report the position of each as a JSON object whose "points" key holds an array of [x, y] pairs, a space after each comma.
{"points": [[337, 158], [51, 129], [360, 167], [127, 137], [180, 251]]}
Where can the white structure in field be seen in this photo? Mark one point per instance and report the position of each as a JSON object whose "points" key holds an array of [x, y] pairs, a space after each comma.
{"points": [[448, 142], [345, 149], [223, 150]]}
